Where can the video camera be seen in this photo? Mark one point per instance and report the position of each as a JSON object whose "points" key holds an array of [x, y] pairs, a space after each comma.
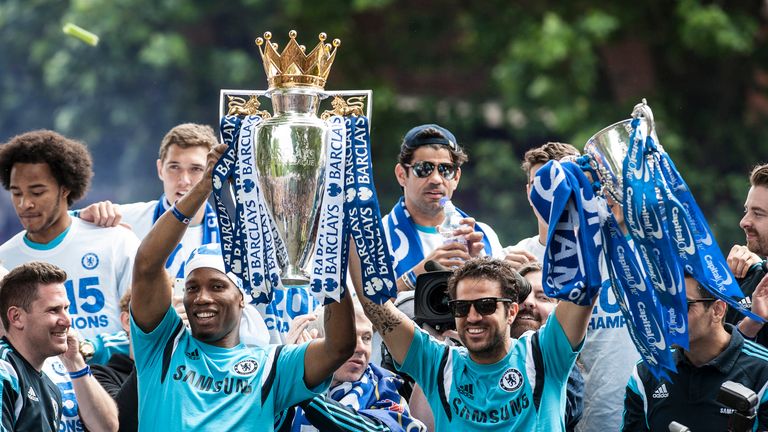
{"points": [[431, 298]]}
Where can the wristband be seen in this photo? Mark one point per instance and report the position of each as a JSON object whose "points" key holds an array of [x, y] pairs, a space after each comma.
{"points": [[412, 276], [81, 373], [407, 282], [179, 215]]}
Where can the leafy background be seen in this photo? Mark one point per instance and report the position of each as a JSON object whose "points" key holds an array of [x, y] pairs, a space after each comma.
{"points": [[504, 76]]}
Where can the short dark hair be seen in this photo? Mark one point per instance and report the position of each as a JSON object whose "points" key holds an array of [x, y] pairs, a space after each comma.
{"points": [[19, 287], [759, 176], [489, 269], [188, 135], [69, 160], [458, 155], [530, 267], [547, 152]]}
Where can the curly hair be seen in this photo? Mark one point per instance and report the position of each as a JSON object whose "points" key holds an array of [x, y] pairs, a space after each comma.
{"points": [[69, 160], [188, 135], [759, 176], [19, 287], [493, 270], [547, 152]]}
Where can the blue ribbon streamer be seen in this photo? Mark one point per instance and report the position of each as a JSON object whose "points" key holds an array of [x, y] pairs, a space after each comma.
{"points": [[365, 218]]}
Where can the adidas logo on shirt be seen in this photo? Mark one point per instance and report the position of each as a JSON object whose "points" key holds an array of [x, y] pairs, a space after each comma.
{"points": [[194, 355], [661, 392], [466, 390], [32, 395], [746, 302]]}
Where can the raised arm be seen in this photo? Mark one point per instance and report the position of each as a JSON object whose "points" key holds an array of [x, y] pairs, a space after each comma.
{"points": [[574, 320], [152, 289], [96, 408], [395, 327], [325, 355]]}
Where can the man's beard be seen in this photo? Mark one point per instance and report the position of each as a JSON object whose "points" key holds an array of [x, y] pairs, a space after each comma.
{"points": [[521, 326], [758, 245], [493, 346]]}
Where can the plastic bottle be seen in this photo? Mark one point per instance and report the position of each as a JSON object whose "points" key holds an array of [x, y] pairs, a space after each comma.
{"points": [[450, 223]]}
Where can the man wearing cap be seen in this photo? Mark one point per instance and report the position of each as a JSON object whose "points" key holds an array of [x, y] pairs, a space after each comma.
{"points": [[203, 377], [428, 169]]}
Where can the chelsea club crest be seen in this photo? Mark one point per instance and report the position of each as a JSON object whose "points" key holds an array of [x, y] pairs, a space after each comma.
{"points": [[90, 261], [511, 381], [245, 367]]}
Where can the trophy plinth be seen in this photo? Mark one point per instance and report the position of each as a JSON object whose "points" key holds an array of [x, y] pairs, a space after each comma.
{"points": [[290, 160]]}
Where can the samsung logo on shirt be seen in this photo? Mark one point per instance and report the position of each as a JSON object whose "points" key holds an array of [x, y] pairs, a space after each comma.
{"points": [[208, 384]]}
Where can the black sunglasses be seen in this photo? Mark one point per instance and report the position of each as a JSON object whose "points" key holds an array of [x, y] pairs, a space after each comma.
{"points": [[424, 169], [483, 306], [692, 301]]}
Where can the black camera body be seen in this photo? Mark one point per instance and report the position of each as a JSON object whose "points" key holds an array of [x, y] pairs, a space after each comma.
{"points": [[431, 301]]}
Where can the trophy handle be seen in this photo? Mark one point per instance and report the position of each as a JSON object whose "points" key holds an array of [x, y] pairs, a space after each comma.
{"points": [[643, 110]]}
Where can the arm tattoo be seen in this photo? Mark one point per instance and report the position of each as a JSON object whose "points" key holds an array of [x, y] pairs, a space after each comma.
{"points": [[384, 320]]}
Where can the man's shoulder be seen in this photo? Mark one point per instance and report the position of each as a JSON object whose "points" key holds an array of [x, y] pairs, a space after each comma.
{"points": [[754, 356], [118, 233], [138, 212], [12, 243]]}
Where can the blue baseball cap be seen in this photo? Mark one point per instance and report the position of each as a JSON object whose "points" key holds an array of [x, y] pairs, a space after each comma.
{"points": [[441, 136]]}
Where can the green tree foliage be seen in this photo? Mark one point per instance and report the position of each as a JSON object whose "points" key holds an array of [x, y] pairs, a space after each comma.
{"points": [[504, 76]]}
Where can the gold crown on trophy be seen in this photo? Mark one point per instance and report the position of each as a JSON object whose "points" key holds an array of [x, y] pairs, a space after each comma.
{"points": [[294, 68]]}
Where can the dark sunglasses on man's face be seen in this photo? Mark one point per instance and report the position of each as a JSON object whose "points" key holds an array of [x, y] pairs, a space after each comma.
{"points": [[483, 306], [698, 300], [424, 169]]}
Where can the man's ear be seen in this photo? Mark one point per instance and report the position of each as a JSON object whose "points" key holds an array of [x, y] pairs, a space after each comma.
{"points": [[401, 174], [65, 194], [720, 309], [512, 313], [16, 317], [125, 321], [160, 169]]}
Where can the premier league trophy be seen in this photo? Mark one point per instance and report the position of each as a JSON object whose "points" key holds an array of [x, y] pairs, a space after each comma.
{"points": [[298, 193], [637, 215]]}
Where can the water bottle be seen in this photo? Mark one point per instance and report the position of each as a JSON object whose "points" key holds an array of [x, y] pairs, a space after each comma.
{"points": [[450, 223]]}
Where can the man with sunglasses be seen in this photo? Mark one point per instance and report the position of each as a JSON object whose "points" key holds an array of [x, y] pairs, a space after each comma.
{"points": [[428, 169], [493, 382], [716, 354]]}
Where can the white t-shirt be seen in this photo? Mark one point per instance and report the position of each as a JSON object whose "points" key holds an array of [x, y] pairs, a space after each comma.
{"points": [[532, 245], [99, 266], [139, 216], [70, 417]]}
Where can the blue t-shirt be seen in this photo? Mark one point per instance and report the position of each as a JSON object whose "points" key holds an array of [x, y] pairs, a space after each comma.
{"points": [[186, 384], [524, 391]]}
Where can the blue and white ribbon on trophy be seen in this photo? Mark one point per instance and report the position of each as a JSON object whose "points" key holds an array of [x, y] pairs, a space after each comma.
{"points": [[327, 271], [251, 246], [645, 216], [688, 235], [363, 215], [637, 302]]}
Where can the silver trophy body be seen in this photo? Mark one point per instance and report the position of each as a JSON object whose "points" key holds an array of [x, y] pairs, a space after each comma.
{"points": [[608, 147], [290, 160]]}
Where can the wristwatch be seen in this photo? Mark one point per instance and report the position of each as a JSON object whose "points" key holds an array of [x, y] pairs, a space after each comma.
{"points": [[87, 350]]}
